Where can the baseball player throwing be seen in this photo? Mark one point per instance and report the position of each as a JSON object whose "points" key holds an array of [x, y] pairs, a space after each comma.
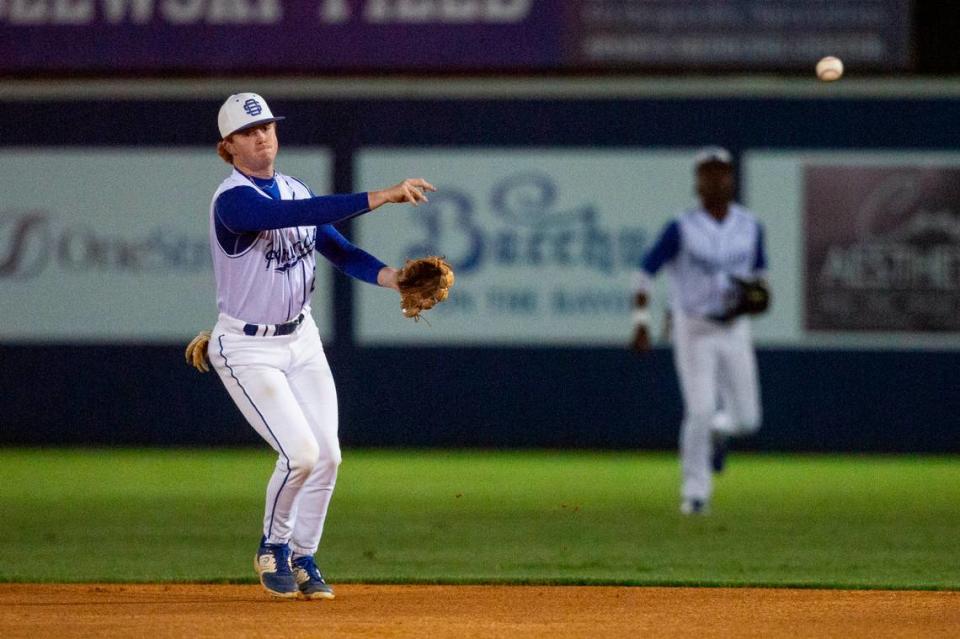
{"points": [[715, 258], [265, 231]]}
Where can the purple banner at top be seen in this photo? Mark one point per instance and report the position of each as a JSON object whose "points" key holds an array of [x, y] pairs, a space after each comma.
{"points": [[277, 36]]}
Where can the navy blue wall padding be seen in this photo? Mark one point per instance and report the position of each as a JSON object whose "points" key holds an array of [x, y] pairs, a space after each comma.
{"points": [[814, 400], [479, 397]]}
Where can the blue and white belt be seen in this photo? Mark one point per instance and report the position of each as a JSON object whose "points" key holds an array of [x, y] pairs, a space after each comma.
{"points": [[270, 330]]}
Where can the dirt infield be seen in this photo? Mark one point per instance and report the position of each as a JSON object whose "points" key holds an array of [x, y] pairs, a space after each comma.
{"points": [[148, 611]]}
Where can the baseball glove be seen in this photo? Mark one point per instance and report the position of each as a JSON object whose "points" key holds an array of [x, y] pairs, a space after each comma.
{"points": [[423, 283], [196, 353], [750, 297]]}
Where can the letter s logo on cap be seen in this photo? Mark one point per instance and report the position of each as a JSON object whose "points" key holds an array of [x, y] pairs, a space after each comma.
{"points": [[252, 107]]}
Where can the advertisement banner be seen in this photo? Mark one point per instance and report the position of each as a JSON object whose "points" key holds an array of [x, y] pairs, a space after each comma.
{"points": [[104, 245], [282, 36], [882, 248], [543, 242], [742, 34], [863, 247], [277, 36]]}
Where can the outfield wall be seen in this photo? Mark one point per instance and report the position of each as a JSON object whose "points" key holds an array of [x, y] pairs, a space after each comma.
{"points": [[104, 277]]}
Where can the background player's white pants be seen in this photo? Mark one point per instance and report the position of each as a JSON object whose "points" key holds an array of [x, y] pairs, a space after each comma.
{"points": [[284, 387], [717, 368]]}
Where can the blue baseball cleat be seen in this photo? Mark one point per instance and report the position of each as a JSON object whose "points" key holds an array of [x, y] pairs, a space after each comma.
{"points": [[694, 507], [273, 565], [310, 580]]}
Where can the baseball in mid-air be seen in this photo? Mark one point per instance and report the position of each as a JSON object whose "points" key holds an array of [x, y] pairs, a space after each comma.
{"points": [[829, 68]]}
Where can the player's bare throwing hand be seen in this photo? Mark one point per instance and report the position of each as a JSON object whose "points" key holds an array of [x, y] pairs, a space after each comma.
{"points": [[411, 190]]}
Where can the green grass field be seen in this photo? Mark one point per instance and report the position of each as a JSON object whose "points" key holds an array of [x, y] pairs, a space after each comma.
{"points": [[488, 517]]}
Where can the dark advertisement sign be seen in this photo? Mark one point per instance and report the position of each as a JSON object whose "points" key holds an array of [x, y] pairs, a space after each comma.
{"points": [[743, 34], [882, 248], [422, 35]]}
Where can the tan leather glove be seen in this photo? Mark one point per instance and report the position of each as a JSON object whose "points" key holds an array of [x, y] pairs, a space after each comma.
{"points": [[196, 353], [423, 283]]}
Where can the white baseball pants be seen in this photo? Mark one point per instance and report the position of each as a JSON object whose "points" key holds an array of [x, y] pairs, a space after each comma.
{"points": [[717, 368], [285, 390]]}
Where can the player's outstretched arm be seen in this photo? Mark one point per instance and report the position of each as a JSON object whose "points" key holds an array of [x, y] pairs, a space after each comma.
{"points": [[243, 210], [412, 190], [353, 260]]}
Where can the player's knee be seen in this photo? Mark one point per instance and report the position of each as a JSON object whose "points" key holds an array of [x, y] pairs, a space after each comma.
{"points": [[305, 457]]}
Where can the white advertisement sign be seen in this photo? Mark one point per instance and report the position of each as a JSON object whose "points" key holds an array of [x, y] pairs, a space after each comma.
{"points": [[863, 246], [543, 242], [108, 245]]}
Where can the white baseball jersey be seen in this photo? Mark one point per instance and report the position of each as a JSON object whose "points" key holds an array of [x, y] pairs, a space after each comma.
{"points": [[266, 277], [263, 234], [701, 254]]}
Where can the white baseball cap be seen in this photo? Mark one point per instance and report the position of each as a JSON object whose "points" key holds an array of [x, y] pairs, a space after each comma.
{"points": [[710, 154], [242, 111]]}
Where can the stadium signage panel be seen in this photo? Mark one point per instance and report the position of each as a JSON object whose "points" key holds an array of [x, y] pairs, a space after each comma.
{"points": [[742, 34], [544, 242], [94, 257], [882, 248], [378, 35], [864, 247], [233, 35]]}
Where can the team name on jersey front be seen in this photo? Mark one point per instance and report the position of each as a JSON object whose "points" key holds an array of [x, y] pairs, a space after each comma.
{"points": [[702, 254], [263, 277]]}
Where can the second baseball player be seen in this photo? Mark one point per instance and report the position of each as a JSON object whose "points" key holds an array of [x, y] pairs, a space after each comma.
{"points": [[705, 251]]}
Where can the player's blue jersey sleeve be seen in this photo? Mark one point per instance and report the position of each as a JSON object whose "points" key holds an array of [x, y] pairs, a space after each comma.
{"points": [[243, 210], [350, 259], [665, 249], [760, 261]]}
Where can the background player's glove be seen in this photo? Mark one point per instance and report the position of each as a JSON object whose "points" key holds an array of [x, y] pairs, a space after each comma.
{"points": [[423, 283], [196, 353], [750, 297]]}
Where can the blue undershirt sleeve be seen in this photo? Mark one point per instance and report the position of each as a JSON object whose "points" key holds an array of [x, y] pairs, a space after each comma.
{"points": [[243, 210], [760, 262], [665, 249], [348, 258]]}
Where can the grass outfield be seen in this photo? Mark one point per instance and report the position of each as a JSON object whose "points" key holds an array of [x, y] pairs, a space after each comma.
{"points": [[488, 517]]}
